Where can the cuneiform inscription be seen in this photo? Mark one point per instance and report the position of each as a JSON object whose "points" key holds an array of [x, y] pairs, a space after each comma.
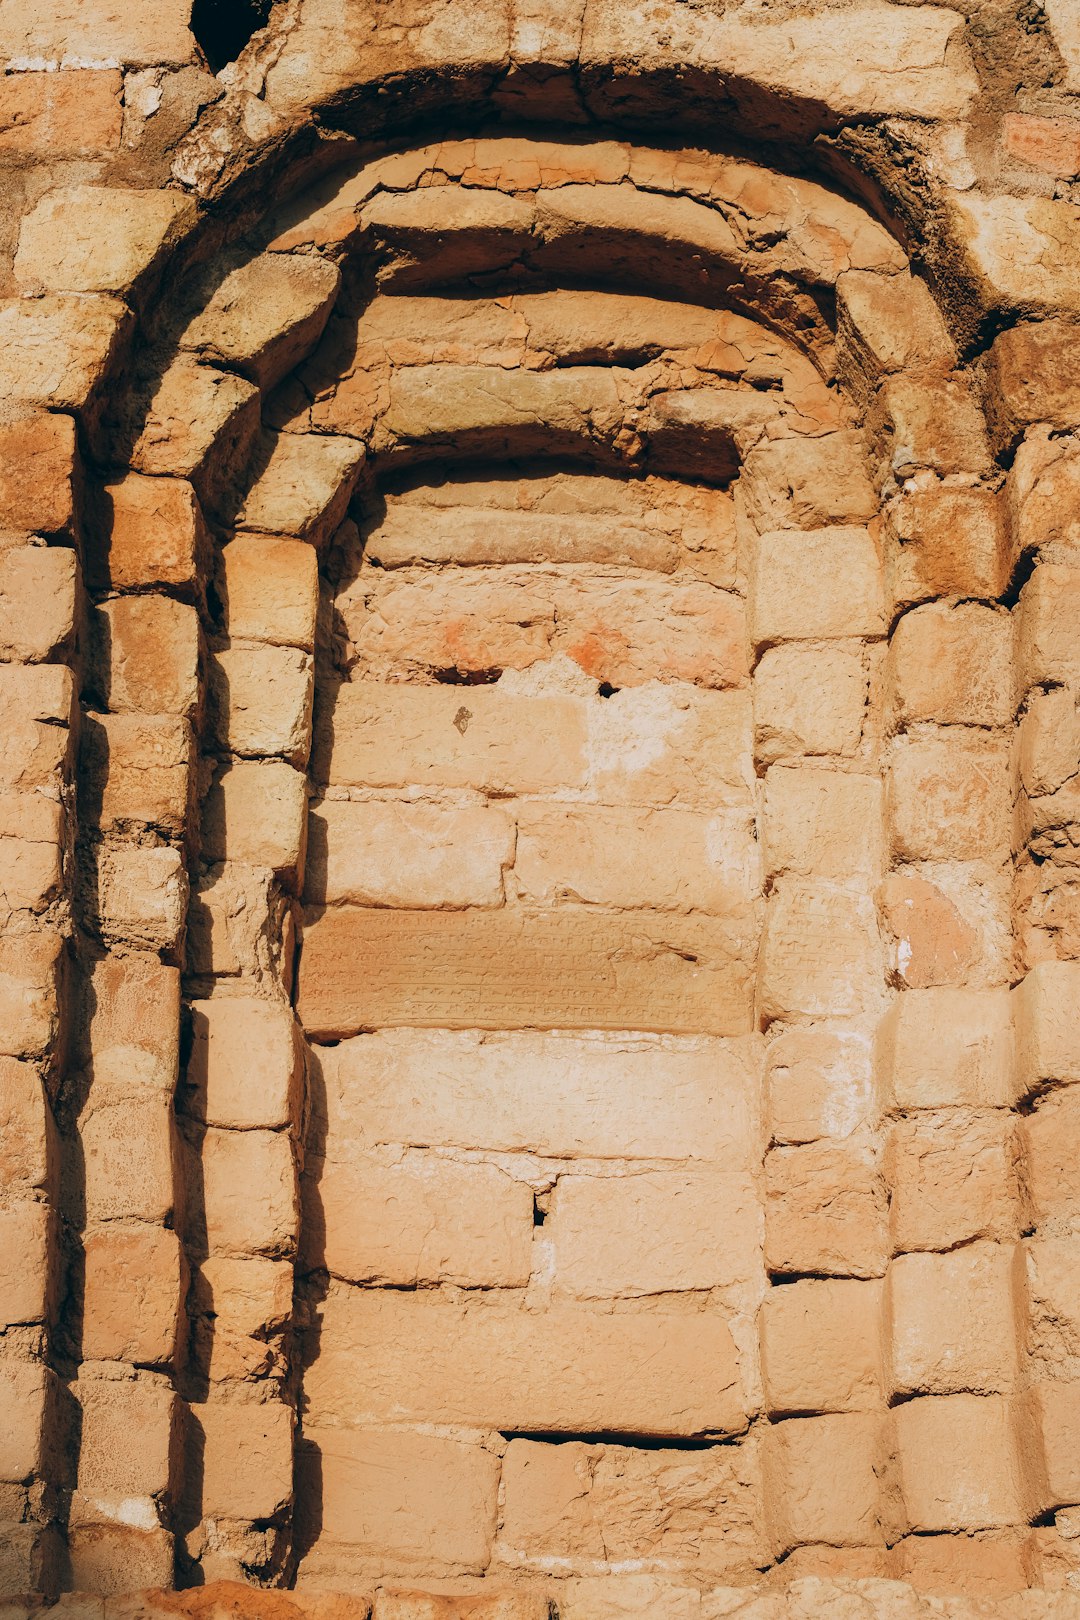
{"points": [[573, 969]]}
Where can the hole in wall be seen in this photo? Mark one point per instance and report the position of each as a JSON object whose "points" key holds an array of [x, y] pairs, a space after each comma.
{"points": [[223, 27]]}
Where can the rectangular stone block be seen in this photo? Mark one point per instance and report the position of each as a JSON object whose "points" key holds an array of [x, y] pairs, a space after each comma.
{"points": [[803, 483], [1051, 1305], [110, 1558], [37, 602], [249, 1192], [127, 1446], [564, 1096], [196, 422], [74, 113], [821, 1347], [246, 1063], [1049, 1142], [305, 486], [403, 1499], [247, 1458], [31, 850], [1047, 1040], [383, 854], [31, 967], [149, 531], [135, 1284], [661, 859], [494, 1365], [271, 590], [921, 420], [28, 1392], [260, 702], [821, 952], [822, 823], [823, 1481], [1053, 1408], [961, 1467], [422, 1220], [132, 1013], [142, 896], [951, 1322], [792, 586], [144, 654], [38, 455], [655, 1232], [265, 316], [28, 1142], [818, 1083], [810, 700], [670, 744], [29, 1263], [256, 813], [595, 1508], [371, 735], [952, 663], [557, 970], [825, 1211], [68, 30], [135, 769], [127, 1146], [952, 1177], [1048, 627], [947, 1048], [244, 1309], [946, 541], [949, 797]]}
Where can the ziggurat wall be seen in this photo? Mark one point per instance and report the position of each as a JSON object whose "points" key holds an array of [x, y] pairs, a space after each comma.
{"points": [[540, 626]]}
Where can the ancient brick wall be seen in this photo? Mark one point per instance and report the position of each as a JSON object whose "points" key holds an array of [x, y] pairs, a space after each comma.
{"points": [[541, 653]]}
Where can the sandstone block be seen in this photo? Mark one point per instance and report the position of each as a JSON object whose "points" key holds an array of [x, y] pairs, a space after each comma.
{"points": [[31, 851], [110, 31], [55, 351], [1031, 377], [599, 1507], [942, 1048], [128, 1156], [947, 924], [489, 411], [28, 1390], [1048, 631], [145, 654], [825, 1211], [564, 1096], [271, 590], [948, 797], [133, 1024], [526, 969], [951, 1322], [792, 586], [820, 954], [960, 1465], [249, 1189], [27, 1128], [37, 602], [28, 1263], [85, 239], [484, 737], [142, 896], [887, 324], [108, 1558], [31, 966], [135, 771], [946, 541], [38, 460], [1049, 1139], [304, 488], [822, 823], [665, 744], [1052, 1327], [257, 812], [76, 113], [928, 421], [153, 533], [265, 316], [823, 1481], [200, 424], [952, 664], [1042, 487], [260, 701], [396, 1604], [385, 854], [802, 483], [403, 1498], [1049, 144], [1049, 736], [134, 1291], [661, 859], [952, 1178], [421, 1220], [248, 1306], [818, 1082], [498, 1365], [246, 1063], [247, 1458], [821, 1347], [127, 1447], [35, 711], [654, 1232], [1053, 1407], [1047, 1045], [809, 700]]}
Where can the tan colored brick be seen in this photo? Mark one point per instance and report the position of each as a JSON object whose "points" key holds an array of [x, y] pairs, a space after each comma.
{"points": [[654, 1233], [256, 812], [304, 488], [951, 1321], [87, 239], [260, 701], [107, 1558], [792, 594], [31, 966], [271, 590], [1049, 144], [127, 1444], [249, 1188], [111, 31], [133, 1294], [1030, 377], [822, 823], [948, 797], [482, 737], [28, 1145], [952, 1177], [818, 1083], [31, 851], [825, 1211], [38, 453], [809, 700], [820, 955], [55, 350], [132, 1012], [1048, 627], [27, 1396], [145, 653], [823, 1481], [246, 1063], [565, 1096], [128, 1154], [498, 1365], [247, 1462], [51, 115], [942, 1048], [1052, 1329], [153, 534], [1041, 494], [1053, 1407], [1047, 1045], [197, 423], [821, 1347], [526, 969], [142, 896], [264, 317], [920, 420], [960, 1465], [946, 541], [798, 483], [28, 1263], [385, 854], [1049, 732], [1049, 1141], [660, 859], [245, 1306], [947, 924], [427, 1220], [952, 664], [669, 744], [37, 602], [135, 770], [887, 324], [405, 1498]]}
